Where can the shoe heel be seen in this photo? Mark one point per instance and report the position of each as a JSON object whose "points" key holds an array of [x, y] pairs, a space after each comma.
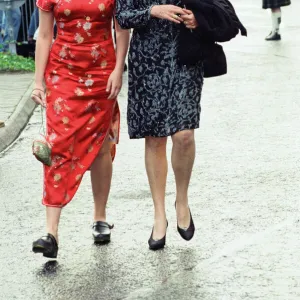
{"points": [[51, 255], [36, 249], [157, 245], [102, 239], [44, 251], [47, 245]]}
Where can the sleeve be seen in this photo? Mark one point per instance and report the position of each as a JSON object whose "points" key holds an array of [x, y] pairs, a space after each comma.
{"points": [[130, 15], [45, 5]]}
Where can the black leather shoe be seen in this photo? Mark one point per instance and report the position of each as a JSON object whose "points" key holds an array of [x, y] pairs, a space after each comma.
{"points": [[157, 244], [101, 232], [187, 234], [46, 245], [273, 36]]}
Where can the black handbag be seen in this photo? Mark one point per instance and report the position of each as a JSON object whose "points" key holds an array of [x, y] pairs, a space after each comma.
{"points": [[192, 49], [215, 64]]}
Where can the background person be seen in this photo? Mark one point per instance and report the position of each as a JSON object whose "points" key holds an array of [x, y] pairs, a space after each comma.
{"points": [[33, 25], [275, 6], [4, 28]]}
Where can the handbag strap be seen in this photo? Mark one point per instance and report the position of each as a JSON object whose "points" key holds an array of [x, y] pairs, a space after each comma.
{"points": [[42, 129]]}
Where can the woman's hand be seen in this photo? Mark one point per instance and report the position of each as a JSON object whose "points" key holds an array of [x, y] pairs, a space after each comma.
{"points": [[114, 84], [38, 95], [189, 19], [168, 12]]}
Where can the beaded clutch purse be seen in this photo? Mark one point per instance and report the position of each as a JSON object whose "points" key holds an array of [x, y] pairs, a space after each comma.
{"points": [[41, 149]]}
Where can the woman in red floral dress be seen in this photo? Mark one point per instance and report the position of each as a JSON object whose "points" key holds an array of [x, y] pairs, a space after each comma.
{"points": [[83, 76]]}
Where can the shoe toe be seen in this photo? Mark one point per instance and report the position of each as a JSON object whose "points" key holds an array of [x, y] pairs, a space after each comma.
{"points": [[186, 234], [101, 232]]}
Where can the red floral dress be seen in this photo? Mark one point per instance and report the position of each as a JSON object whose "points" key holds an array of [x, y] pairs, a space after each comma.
{"points": [[79, 115]]}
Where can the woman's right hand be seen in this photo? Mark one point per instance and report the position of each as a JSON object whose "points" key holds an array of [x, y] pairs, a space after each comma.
{"points": [[168, 12], [38, 95]]}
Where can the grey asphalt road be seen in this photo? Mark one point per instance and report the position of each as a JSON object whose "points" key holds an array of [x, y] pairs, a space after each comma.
{"points": [[244, 196]]}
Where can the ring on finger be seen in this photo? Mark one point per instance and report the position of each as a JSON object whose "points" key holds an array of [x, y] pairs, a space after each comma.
{"points": [[175, 16]]}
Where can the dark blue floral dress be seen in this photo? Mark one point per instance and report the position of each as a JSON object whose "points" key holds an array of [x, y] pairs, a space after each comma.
{"points": [[163, 96]]}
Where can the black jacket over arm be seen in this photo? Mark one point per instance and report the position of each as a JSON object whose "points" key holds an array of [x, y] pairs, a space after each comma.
{"points": [[217, 22]]}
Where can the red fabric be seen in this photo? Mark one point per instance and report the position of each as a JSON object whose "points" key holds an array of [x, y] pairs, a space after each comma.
{"points": [[79, 115]]}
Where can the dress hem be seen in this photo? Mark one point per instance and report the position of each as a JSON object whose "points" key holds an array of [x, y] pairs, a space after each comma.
{"points": [[142, 136], [88, 168], [275, 6], [76, 189]]}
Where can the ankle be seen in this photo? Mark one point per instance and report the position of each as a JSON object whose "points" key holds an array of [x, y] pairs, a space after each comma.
{"points": [[54, 232], [160, 219], [100, 217], [182, 202], [99, 212]]}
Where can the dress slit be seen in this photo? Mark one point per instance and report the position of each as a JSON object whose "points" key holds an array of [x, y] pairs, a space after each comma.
{"points": [[63, 177]]}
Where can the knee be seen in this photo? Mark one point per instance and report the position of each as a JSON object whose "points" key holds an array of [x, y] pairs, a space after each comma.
{"points": [[155, 143], [274, 10], [105, 150], [184, 140]]}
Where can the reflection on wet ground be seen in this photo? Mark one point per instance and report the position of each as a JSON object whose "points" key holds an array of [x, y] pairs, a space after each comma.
{"points": [[244, 197]]}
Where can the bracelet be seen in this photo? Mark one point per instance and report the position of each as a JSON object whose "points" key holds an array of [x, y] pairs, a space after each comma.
{"points": [[38, 90]]}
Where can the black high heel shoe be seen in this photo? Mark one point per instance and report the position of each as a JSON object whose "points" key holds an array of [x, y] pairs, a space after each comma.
{"points": [[102, 232], [46, 245], [187, 234], [157, 244]]}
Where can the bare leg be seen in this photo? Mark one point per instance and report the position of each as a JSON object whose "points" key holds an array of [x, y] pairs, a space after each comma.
{"points": [[101, 174], [276, 10], [53, 216], [183, 156], [157, 169]]}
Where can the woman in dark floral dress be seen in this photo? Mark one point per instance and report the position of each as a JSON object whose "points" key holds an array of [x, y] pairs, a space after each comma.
{"points": [[275, 6], [163, 100]]}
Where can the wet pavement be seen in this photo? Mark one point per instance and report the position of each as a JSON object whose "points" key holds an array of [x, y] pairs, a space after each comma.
{"points": [[12, 89], [244, 196]]}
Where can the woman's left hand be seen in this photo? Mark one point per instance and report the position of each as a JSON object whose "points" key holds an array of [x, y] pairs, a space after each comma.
{"points": [[114, 84], [189, 19]]}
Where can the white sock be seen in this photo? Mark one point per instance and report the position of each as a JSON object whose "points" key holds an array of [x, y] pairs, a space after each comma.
{"points": [[276, 20]]}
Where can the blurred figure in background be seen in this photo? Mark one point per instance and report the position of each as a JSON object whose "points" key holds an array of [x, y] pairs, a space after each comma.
{"points": [[33, 25], [275, 6], [4, 34]]}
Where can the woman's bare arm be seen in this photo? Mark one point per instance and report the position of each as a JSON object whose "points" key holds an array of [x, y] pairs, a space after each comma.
{"points": [[43, 45], [114, 84], [122, 40]]}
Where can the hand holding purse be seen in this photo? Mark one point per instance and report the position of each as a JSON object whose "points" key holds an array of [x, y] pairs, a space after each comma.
{"points": [[41, 149]]}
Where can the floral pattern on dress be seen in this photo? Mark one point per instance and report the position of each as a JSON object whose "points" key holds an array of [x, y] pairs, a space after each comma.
{"points": [[163, 96], [79, 115]]}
